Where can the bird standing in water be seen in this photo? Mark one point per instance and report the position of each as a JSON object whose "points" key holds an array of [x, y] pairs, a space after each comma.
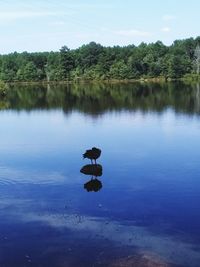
{"points": [[92, 154]]}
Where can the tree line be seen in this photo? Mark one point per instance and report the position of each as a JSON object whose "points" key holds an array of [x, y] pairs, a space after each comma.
{"points": [[96, 62]]}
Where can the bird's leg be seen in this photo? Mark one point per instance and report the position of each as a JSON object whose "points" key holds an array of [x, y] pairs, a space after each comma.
{"points": [[95, 162]]}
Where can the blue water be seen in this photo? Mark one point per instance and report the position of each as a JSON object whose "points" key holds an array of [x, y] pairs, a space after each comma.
{"points": [[145, 214]]}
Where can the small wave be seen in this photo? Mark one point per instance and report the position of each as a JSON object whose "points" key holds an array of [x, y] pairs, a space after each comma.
{"points": [[13, 177]]}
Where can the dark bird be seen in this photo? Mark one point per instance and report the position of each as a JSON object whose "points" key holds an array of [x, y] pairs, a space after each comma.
{"points": [[92, 154]]}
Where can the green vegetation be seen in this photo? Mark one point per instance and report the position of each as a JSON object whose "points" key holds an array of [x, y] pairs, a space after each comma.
{"points": [[3, 89], [95, 62]]}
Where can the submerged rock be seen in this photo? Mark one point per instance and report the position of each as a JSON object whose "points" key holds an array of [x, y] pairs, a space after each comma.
{"points": [[92, 169]]}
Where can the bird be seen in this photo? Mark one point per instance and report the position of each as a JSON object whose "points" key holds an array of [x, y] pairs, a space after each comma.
{"points": [[92, 154]]}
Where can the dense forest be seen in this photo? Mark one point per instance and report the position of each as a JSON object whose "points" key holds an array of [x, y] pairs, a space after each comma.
{"points": [[96, 62]]}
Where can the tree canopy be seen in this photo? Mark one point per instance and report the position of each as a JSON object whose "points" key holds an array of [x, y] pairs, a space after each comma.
{"points": [[96, 62]]}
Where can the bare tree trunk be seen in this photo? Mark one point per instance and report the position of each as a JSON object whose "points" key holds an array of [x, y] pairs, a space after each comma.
{"points": [[197, 56]]}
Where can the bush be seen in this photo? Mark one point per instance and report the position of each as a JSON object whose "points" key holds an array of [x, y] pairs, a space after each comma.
{"points": [[3, 88], [192, 77]]}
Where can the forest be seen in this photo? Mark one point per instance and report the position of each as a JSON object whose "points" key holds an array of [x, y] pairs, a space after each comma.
{"points": [[96, 62]]}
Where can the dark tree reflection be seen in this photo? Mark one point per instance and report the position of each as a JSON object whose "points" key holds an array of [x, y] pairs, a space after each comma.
{"points": [[96, 98]]}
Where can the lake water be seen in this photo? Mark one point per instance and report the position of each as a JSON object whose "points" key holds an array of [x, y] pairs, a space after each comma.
{"points": [[147, 211]]}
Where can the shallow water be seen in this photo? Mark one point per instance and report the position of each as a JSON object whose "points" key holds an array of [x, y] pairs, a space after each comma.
{"points": [[147, 211]]}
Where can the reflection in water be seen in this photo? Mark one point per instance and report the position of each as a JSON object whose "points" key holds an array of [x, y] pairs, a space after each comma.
{"points": [[197, 102], [95, 99], [93, 185]]}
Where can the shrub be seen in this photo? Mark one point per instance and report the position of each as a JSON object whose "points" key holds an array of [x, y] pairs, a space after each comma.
{"points": [[3, 88]]}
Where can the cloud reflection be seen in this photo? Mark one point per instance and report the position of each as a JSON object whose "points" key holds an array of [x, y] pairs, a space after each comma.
{"points": [[167, 247]]}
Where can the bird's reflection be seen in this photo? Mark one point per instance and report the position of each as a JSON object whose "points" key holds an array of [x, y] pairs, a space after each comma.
{"points": [[95, 170], [93, 185]]}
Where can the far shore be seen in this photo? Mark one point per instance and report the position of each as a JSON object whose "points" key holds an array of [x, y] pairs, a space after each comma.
{"points": [[111, 81]]}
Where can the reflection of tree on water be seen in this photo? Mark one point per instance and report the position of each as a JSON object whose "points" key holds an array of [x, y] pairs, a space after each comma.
{"points": [[197, 102], [94, 99]]}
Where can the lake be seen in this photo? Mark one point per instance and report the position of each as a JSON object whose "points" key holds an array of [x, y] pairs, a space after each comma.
{"points": [[144, 208]]}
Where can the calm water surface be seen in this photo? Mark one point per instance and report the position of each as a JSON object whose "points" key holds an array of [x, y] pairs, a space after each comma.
{"points": [[147, 211]]}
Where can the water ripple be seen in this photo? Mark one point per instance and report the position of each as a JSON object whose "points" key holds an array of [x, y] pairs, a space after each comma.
{"points": [[9, 176]]}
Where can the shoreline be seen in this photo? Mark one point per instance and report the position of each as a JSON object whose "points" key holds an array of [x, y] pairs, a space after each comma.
{"points": [[188, 77]]}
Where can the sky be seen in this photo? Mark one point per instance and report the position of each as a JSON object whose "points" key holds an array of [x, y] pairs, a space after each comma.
{"points": [[47, 25]]}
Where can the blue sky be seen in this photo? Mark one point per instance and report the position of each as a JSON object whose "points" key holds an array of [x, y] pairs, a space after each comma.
{"points": [[34, 25]]}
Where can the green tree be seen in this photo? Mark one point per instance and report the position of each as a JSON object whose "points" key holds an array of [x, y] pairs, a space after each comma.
{"points": [[30, 72], [66, 62]]}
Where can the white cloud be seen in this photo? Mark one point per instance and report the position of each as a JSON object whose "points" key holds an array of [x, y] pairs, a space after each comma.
{"points": [[165, 29], [168, 17], [133, 32], [57, 23], [22, 14], [15, 15]]}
